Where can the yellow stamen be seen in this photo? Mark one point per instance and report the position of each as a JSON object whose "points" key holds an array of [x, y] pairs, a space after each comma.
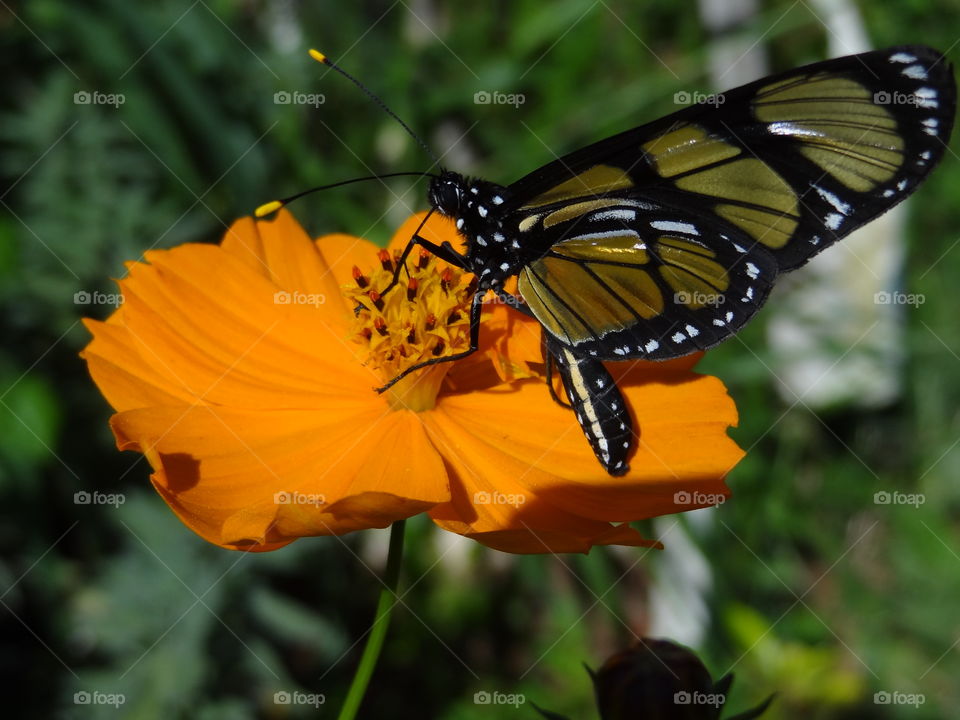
{"points": [[318, 56], [401, 328], [268, 208]]}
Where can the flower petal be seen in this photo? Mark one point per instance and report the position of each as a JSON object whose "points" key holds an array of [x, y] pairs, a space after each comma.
{"points": [[280, 250], [126, 380], [520, 459], [256, 479], [211, 327]]}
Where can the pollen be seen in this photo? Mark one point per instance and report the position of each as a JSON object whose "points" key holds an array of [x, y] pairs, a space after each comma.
{"points": [[425, 316]]}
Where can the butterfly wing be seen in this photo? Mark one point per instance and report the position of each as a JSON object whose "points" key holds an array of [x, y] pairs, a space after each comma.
{"points": [[646, 283], [716, 199]]}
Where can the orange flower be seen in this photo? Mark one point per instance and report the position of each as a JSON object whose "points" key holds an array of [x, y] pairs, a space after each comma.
{"points": [[245, 372]]}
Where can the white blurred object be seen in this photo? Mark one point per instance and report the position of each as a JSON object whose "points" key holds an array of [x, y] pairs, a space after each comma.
{"points": [[831, 343], [682, 582]]}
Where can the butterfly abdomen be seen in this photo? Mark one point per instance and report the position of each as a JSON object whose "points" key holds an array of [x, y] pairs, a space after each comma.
{"points": [[599, 407]]}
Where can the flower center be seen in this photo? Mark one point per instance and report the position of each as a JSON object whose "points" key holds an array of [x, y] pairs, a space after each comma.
{"points": [[425, 316]]}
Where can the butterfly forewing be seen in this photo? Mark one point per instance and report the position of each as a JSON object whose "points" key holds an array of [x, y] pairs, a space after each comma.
{"points": [[712, 202]]}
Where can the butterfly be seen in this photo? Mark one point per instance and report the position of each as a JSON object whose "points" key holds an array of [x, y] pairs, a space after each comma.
{"points": [[666, 239]]}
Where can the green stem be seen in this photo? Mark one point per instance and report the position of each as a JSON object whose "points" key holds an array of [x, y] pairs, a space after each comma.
{"points": [[380, 623]]}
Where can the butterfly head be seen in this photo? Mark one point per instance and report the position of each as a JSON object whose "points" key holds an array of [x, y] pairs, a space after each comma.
{"points": [[446, 193]]}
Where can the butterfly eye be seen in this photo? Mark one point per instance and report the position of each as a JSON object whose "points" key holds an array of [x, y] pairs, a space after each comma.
{"points": [[445, 195]]}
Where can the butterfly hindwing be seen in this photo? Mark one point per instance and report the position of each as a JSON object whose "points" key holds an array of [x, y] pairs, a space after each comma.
{"points": [[646, 283], [762, 181]]}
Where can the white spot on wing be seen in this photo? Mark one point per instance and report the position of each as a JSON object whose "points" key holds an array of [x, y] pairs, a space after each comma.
{"points": [[497, 200], [833, 220], [838, 204], [902, 57], [616, 214], [604, 235], [481, 241], [691, 330], [678, 337], [482, 210], [926, 97], [504, 266], [917, 72], [459, 223], [753, 271], [672, 226], [788, 128], [651, 346]]}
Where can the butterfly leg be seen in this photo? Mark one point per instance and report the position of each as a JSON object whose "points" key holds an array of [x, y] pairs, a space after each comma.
{"points": [[444, 251], [553, 392], [516, 303], [475, 309], [599, 407]]}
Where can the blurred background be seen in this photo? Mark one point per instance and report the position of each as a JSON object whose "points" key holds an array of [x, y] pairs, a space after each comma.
{"points": [[830, 577]]}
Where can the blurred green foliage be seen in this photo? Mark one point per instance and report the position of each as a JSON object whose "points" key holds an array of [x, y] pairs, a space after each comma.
{"points": [[819, 594]]}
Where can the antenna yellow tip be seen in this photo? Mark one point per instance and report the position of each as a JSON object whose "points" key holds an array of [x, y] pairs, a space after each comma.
{"points": [[268, 208], [318, 56]]}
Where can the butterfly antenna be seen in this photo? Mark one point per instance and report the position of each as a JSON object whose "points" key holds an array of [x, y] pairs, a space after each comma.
{"points": [[275, 205], [321, 58]]}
